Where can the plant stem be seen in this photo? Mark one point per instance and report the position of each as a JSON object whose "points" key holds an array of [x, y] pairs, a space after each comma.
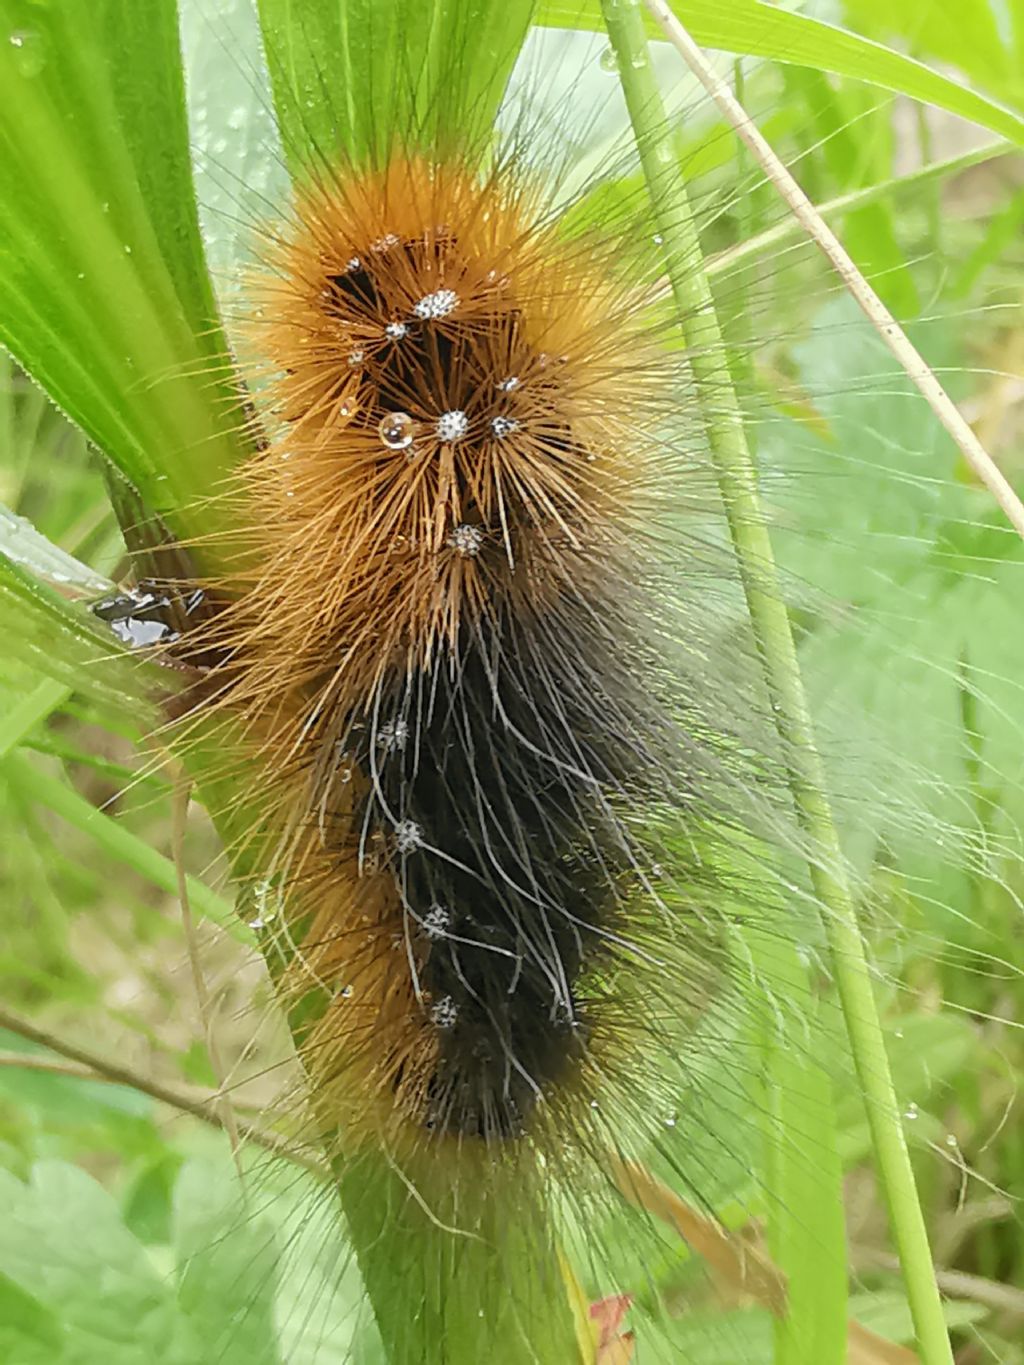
{"points": [[774, 638], [88, 1065]]}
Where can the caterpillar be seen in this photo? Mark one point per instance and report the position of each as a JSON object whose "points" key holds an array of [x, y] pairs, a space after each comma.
{"points": [[498, 809]]}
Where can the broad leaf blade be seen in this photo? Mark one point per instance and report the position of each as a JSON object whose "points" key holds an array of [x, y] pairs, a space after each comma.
{"points": [[103, 293], [367, 76], [756, 29]]}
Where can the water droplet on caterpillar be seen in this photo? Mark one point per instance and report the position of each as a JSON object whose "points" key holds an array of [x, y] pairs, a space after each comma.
{"points": [[396, 430], [607, 61]]}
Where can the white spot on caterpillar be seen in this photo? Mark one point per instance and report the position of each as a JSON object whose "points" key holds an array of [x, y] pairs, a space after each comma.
{"points": [[353, 263], [507, 385], [357, 356], [452, 426], [384, 243], [503, 426], [436, 921], [408, 836], [467, 540], [437, 305], [393, 735], [444, 1013], [395, 331], [266, 910]]}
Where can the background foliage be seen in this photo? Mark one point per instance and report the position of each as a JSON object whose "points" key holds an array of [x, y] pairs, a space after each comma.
{"points": [[126, 1241]]}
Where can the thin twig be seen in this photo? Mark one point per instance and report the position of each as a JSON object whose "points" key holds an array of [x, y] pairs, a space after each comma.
{"points": [[93, 1066], [958, 1284], [839, 258]]}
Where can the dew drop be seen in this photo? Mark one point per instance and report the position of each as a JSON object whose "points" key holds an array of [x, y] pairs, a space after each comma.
{"points": [[671, 1121], [396, 430], [29, 56], [594, 1104], [658, 239], [910, 1112], [607, 61]]}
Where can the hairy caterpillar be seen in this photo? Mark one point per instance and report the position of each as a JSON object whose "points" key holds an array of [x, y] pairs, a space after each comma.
{"points": [[499, 812], [497, 819]]}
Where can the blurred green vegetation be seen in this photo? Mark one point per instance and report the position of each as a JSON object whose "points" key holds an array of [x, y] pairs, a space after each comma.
{"points": [[124, 1240]]}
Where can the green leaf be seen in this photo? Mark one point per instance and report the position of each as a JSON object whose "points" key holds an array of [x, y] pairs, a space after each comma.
{"points": [[64, 643], [29, 1332], [227, 1267], [22, 543], [965, 36], [104, 297], [756, 29], [369, 75], [238, 164], [62, 1242], [118, 842]]}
